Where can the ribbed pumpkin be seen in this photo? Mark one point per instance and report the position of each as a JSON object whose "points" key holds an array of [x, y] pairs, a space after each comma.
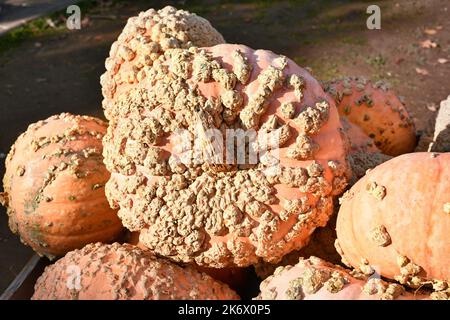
{"points": [[54, 186], [144, 38], [377, 111], [219, 214], [396, 220], [124, 272], [316, 279]]}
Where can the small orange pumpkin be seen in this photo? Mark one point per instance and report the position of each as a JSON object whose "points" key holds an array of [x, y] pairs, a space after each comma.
{"points": [[54, 186], [396, 220], [377, 111]]}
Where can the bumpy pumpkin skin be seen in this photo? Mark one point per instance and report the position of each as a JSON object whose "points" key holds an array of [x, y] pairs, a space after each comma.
{"points": [[224, 215], [377, 111], [124, 272], [54, 186], [236, 278], [320, 245], [358, 140], [144, 38], [441, 137], [396, 220], [363, 154], [316, 279]]}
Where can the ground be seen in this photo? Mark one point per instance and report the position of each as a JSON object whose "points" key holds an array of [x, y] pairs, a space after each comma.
{"points": [[47, 70]]}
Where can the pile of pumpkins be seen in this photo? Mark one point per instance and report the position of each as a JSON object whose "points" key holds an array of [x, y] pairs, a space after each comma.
{"points": [[190, 230]]}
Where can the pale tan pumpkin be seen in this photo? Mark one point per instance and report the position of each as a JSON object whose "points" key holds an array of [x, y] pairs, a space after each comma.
{"points": [[143, 39], [54, 186], [396, 220]]}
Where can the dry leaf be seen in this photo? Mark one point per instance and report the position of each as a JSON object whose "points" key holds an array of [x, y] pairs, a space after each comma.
{"points": [[432, 107], [50, 23], [421, 71], [430, 31], [442, 60], [428, 44]]}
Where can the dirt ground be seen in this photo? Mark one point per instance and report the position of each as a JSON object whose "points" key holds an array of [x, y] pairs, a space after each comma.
{"points": [[58, 70]]}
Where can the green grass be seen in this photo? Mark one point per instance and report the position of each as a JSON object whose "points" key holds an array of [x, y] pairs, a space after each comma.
{"points": [[325, 70], [353, 40], [377, 61]]}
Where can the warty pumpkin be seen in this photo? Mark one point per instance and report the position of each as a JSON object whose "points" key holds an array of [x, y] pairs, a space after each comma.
{"points": [[316, 279], [396, 221], [363, 155], [377, 111], [54, 186], [143, 39], [124, 272], [235, 278], [224, 214], [320, 245]]}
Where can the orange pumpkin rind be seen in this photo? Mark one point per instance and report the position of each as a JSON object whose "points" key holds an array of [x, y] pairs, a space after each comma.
{"points": [[54, 186], [394, 221]]}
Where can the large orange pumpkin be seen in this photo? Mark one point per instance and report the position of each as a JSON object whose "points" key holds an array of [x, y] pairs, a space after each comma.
{"points": [[377, 111], [124, 272], [396, 220], [144, 38], [221, 214], [54, 185], [316, 279]]}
